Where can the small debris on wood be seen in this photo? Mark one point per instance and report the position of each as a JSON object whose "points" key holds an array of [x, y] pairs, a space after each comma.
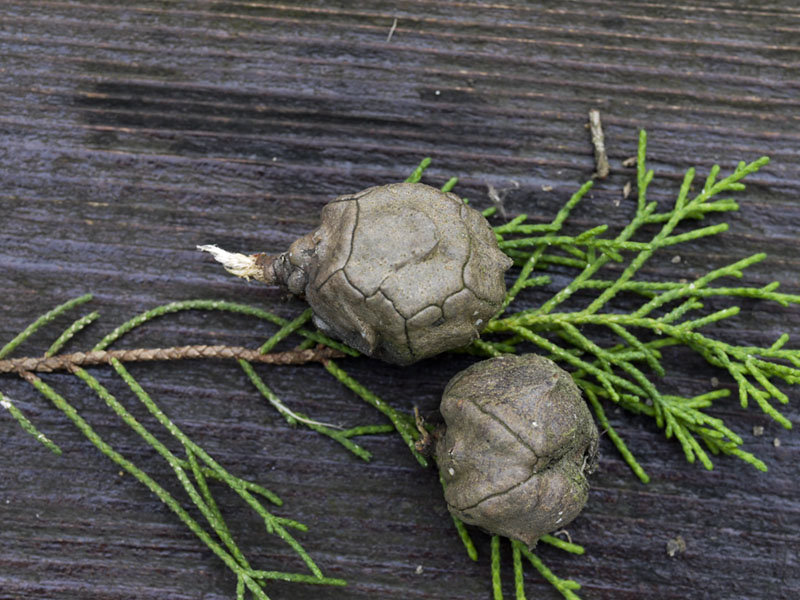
{"points": [[676, 259], [626, 190], [629, 162], [758, 430], [563, 532], [714, 382], [419, 570], [498, 197], [676, 546], [547, 188], [427, 440], [602, 167], [776, 442], [391, 31], [497, 201]]}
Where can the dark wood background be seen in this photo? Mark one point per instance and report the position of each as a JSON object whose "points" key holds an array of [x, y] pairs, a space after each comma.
{"points": [[130, 132]]}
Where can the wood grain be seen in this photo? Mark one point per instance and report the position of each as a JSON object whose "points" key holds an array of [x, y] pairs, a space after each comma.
{"points": [[131, 132]]}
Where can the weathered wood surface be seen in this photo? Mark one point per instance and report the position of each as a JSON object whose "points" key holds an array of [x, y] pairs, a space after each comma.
{"points": [[131, 132]]}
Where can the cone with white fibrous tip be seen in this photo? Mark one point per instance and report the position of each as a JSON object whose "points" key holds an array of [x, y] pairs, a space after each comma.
{"points": [[400, 272]]}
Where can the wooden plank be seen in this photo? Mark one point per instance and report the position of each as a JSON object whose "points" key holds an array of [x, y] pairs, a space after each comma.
{"points": [[131, 132]]}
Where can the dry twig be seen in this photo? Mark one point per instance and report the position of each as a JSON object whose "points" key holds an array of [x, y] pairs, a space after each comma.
{"points": [[47, 364], [598, 141]]}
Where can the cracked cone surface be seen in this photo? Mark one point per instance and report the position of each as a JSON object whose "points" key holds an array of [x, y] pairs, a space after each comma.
{"points": [[518, 443], [400, 272]]}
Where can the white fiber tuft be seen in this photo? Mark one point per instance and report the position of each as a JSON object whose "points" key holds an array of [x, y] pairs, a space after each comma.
{"points": [[240, 265]]}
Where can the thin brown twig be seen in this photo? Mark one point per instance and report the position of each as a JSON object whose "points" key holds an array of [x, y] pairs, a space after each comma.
{"points": [[47, 364], [598, 141], [392, 30]]}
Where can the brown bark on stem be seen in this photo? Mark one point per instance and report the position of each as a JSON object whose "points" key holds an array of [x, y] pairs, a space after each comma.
{"points": [[80, 359]]}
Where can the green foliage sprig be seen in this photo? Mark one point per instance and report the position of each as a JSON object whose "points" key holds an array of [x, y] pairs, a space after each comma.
{"points": [[624, 373], [619, 372], [197, 467]]}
